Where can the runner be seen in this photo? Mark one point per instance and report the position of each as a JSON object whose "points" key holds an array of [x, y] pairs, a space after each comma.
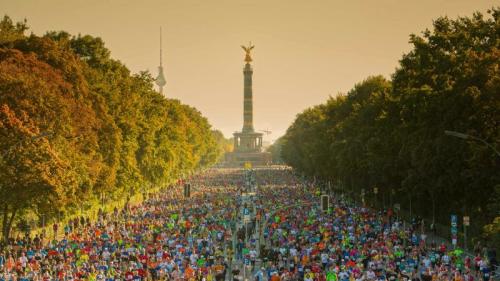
{"points": [[203, 237]]}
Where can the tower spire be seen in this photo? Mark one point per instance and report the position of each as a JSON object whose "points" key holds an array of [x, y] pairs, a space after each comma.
{"points": [[161, 51], [247, 91], [160, 79]]}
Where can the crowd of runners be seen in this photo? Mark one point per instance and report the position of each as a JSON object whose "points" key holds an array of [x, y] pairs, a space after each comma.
{"points": [[349, 242], [203, 237]]}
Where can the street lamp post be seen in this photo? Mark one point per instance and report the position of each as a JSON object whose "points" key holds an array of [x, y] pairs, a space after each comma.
{"points": [[363, 196], [411, 209], [391, 197], [469, 137]]}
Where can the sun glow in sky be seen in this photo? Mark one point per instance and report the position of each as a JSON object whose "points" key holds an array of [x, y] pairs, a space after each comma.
{"points": [[305, 51]]}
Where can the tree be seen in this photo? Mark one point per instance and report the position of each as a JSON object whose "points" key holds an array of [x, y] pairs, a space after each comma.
{"points": [[34, 87], [275, 150], [109, 130], [223, 145], [390, 134], [10, 32], [31, 173], [450, 81]]}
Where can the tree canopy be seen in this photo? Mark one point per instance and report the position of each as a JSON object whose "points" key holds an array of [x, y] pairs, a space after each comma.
{"points": [[104, 129], [389, 134]]}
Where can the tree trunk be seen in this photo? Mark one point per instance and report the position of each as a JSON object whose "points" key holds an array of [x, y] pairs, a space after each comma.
{"points": [[9, 227], [4, 223], [7, 222]]}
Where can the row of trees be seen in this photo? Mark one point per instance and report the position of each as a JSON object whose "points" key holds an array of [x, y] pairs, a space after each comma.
{"points": [[389, 134], [75, 124]]}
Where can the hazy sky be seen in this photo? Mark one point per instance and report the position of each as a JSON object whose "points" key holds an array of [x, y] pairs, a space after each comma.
{"points": [[305, 50]]}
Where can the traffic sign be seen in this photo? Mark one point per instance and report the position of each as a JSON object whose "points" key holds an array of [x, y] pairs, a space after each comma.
{"points": [[246, 218], [454, 230], [466, 220], [453, 218], [325, 203]]}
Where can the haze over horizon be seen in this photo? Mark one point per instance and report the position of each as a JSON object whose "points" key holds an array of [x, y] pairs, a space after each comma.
{"points": [[305, 52]]}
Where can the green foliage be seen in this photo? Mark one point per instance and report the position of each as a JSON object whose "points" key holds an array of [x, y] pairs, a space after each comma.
{"points": [[275, 150], [113, 133], [10, 32], [32, 174], [492, 231], [224, 145], [390, 134]]}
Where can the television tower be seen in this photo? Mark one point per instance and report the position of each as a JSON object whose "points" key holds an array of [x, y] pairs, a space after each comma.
{"points": [[160, 79]]}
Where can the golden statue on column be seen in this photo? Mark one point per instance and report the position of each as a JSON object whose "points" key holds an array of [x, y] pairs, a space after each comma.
{"points": [[248, 58]]}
